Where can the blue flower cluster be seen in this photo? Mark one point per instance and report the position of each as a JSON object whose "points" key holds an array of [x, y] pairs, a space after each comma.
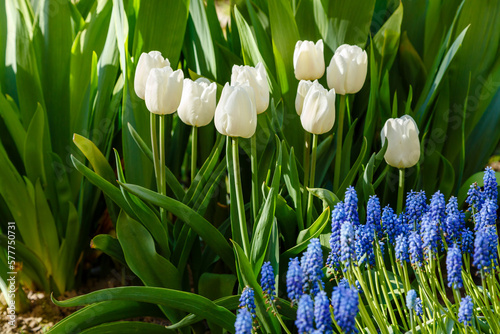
{"points": [[312, 264], [454, 267], [243, 324], [345, 302], [465, 311], [267, 281], [247, 300], [294, 280]]}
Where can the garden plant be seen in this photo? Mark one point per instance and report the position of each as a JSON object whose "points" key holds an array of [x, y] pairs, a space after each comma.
{"points": [[281, 166]]}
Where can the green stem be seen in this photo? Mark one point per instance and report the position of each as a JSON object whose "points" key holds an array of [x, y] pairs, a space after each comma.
{"points": [[154, 148], [412, 322], [163, 185], [401, 189], [255, 185], [239, 198], [311, 180], [338, 157], [194, 151], [307, 163]]}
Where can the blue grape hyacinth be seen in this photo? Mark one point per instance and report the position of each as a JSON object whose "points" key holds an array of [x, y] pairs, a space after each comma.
{"points": [[390, 223], [415, 248], [416, 206], [243, 324], [455, 221], [267, 281], [488, 214], [465, 311], [411, 299], [312, 264], [401, 249], [467, 241], [351, 205], [437, 208], [345, 302], [322, 315], [418, 307], [338, 218], [454, 267], [247, 300], [364, 244], [294, 280], [485, 248], [374, 215], [347, 243], [490, 184], [305, 315], [430, 234], [475, 197]]}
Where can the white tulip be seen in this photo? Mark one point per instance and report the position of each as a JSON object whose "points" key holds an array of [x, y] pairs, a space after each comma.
{"points": [[308, 60], [163, 90], [147, 61], [302, 90], [403, 149], [318, 111], [347, 70], [236, 114], [256, 77], [197, 106]]}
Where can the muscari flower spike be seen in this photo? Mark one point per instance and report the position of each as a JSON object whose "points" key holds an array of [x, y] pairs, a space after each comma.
{"points": [[437, 208], [401, 249], [465, 311], [267, 281], [322, 315], [347, 243], [487, 216], [411, 299], [485, 248], [418, 307], [490, 184], [475, 197], [311, 264], [338, 218], [390, 223], [305, 315], [364, 244], [454, 222], [351, 206], [294, 280], [345, 308], [430, 234], [374, 215], [416, 206], [243, 323], [247, 300], [467, 241], [454, 267], [415, 249]]}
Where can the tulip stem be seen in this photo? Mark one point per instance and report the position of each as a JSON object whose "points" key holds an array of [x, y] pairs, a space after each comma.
{"points": [[154, 148], [307, 162], [239, 198], [311, 179], [194, 151], [401, 189], [255, 181], [338, 157], [163, 188]]}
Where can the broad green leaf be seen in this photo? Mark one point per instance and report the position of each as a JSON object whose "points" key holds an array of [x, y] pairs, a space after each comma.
{"points": [[318, 225], [200, 225], [325, 195], [96, 158], [33, 154], [127, 327], [102, 312], [247, 277], [109, 245], [291, 178], [261, 237], [216, 286], [13, 123], [354, 169], [184, 301]]}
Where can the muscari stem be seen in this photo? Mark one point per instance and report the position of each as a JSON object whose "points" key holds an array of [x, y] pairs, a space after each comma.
{"points": [[194, 151], [401, 189], [239, 198], [338, 154], [311, 180], [255, 185]]}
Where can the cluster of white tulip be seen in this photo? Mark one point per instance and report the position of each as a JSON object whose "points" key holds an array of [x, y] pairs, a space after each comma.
{"points": [[165, 91], [345, 75]]}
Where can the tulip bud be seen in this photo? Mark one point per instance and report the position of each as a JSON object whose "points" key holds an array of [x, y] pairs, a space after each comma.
{"points": [[403, 149], [197, 106], [308, 60], [347, 70], [147, 62], [236, 114], [302, 90], [318, 112], [163, 90], [256, 77]]}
